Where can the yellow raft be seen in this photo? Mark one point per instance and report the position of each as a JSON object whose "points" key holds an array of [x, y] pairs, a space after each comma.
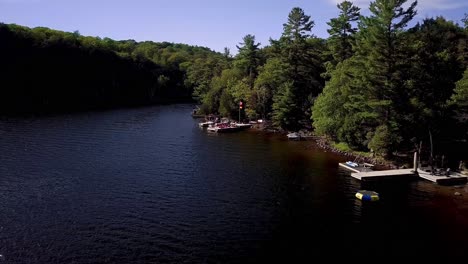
{"points": [[367, 195]]}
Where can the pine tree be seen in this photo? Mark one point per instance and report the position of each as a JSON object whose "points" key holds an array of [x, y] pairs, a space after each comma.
{"points": [[248, 58], [381, 54], [436, 65], [460, 95], [298, 51], [285, 110], [342, 32]]}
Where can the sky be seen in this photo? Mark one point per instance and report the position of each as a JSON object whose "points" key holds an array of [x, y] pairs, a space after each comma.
{"points": [[210, 23]]}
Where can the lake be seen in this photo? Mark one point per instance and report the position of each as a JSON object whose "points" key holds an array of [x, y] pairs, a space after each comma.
{"points": [[147, 185]]}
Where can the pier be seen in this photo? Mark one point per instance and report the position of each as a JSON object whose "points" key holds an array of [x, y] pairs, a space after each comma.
{"points": [[368, 175], [451, 179], [364, 172]]}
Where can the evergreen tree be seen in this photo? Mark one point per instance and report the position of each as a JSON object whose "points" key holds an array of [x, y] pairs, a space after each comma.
{"points": [[465, 20], [271, 77], [285, 111], [328, 113], [381, 56], [248, 58], [460, 95], [436, 65], [342, 32], [299, 53]]}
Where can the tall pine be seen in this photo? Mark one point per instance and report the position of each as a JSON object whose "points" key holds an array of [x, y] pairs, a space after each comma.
{"points": [[381, 56], [299, 52], [342, 32]]}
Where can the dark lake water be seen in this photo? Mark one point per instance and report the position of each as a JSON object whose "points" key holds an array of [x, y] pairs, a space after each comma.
{"points": [[148, 186]]}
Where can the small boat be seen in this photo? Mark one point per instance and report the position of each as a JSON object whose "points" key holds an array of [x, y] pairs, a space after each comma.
{"points": [[224, 128], [294, 136], [206, 124], [243, 126], [356, 167]]}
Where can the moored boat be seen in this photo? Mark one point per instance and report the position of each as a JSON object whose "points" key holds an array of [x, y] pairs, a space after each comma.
{"points": [[206, 124], [243, 126], [294, 136], [224, 128]]}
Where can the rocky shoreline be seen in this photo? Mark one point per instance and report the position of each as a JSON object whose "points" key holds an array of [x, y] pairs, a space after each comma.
{"points": [[324, 144]]}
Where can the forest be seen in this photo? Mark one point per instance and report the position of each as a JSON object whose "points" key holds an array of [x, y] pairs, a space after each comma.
{"points": [[44, 70], [379, 83], [375, 85]]}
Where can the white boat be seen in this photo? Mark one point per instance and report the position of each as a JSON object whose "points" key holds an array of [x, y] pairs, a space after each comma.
{"points": [[294, 136], [243, 126], [357, 167], [224, 128], [206, 124]]}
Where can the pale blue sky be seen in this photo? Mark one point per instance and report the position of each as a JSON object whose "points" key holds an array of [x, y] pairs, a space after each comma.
{"points": [[212, 23]]}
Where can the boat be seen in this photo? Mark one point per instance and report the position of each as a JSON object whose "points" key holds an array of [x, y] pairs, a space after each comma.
{"points": [[224, 128], [210, 120], [357, 167], [206, 124], [294, 136], [243, 126]]}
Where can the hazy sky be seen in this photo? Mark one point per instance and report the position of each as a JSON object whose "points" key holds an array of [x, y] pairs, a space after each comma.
{"points": [[212, 23]]}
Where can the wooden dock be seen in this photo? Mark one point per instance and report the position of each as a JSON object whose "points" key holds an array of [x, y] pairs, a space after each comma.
{"points": [[369, 175], [453, 178], [438, 176]]}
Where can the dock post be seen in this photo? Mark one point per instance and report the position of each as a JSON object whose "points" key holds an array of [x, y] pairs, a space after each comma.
{"points": [[415, 162]]}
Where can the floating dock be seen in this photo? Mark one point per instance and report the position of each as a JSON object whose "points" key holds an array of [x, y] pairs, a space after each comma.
{"points": [[361, 172], [451, 179], [369, 175]]}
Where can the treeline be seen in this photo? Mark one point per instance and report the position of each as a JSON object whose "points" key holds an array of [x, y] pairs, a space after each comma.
{"points": [[44, 70], [374, 84]]}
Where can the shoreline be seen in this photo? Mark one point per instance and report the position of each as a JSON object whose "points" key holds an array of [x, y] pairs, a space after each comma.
{"points": [[326, 145], [398, 161]]}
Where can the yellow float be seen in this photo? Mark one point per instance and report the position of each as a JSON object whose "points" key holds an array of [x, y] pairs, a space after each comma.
{"points": [[364, 195]]}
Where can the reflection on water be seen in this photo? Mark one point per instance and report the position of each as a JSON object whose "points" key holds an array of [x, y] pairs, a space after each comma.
{"points": [[148, 185]]}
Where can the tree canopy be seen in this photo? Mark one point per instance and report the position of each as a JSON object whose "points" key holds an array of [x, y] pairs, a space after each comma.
{"points": [[375, 83]]}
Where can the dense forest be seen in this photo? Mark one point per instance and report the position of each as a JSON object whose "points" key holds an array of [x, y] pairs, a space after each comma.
{"points": [[44, 70], [376, 84]]}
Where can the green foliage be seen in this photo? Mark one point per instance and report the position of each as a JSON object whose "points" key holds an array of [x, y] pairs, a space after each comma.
{"points": [[94, 72], [434, 46], [226, 104], [342, 32], [386, 85], [285, 110], [298, 26], [341, 146], [460, 95], [465, 21], [328, 113], [271, 76], [247, 59], [383, 140], [299, 53]]}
